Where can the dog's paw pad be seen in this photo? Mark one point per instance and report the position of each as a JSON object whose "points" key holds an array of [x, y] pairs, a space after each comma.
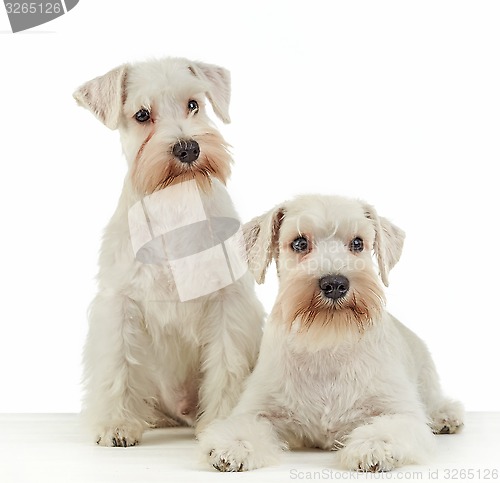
{"points": [[118, 438], [371, 456]]}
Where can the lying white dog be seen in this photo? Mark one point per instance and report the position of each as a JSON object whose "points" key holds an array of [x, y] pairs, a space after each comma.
{"points": [[335, 371]]}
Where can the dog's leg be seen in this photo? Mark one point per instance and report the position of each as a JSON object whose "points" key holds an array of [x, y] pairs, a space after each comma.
{"points": [[445, 415], [249, 438], [387, 442], [117, 388], [232, 338]]}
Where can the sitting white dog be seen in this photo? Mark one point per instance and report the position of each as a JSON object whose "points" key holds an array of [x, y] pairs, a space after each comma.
{"points": [[335, 371], [175, 327]]}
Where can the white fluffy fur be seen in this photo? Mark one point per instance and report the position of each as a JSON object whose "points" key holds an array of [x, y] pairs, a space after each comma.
{"points": [[150, 361], [369, 391]]}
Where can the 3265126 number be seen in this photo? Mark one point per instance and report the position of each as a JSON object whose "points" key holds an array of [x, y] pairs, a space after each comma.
{"points": [[33, 8]]}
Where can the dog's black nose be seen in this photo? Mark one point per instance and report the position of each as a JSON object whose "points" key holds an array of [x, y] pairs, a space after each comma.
{"points": [[334, 286], [186, 151]]}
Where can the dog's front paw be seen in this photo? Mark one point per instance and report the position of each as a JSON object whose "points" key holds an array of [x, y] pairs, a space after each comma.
{"points": [[241, 443], [370, 455], [448, 419], [119, 437], [387, 442], [234, 458]]}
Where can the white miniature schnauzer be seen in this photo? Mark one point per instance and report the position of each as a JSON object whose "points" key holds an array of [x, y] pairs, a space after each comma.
{"points": [[175, 327], [335, 370]]}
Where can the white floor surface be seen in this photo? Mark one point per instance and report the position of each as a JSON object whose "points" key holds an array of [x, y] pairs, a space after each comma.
{"points": [[38, 448]]}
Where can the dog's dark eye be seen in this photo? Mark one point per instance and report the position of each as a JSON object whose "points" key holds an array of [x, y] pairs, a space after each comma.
{"points": [[356, 245], [300, 244], [143, 115], [193, 106]]}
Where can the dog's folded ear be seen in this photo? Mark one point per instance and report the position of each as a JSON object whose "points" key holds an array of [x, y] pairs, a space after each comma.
{"points": [[388, 244], [218, 93], [104, 96], [262, 241]]}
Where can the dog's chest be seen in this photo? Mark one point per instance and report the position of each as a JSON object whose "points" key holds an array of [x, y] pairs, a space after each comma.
{"points": [[324, 395]]}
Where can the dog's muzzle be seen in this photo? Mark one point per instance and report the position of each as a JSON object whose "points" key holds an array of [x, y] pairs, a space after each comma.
{"points": [[334, 286], [186, 151]]}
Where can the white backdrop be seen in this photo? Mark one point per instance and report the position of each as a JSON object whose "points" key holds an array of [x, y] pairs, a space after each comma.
{"points": [[391, 101]]}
